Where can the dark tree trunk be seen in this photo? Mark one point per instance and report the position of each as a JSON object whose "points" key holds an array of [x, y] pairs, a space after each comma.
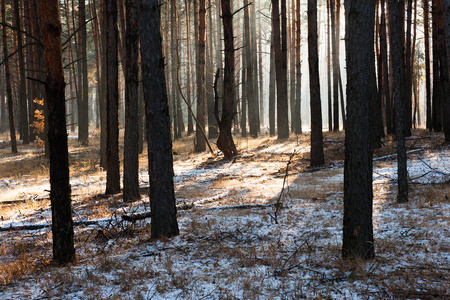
{"points": [[358, 197], [244, 83], [426, 23], [225, 142], [201, 65], [261, 76], [131, 140], [298, 66], [103, 99], [12, 128], [212, 123], [250, 84], [329, 68], [23, 104], [62, 224], [112, 98], [83, 107], [317, 156], [377, 130], [399, 98], [188, 65], [385, 71], [408, 72], [334, 42], [160, 161], [254, 104]]}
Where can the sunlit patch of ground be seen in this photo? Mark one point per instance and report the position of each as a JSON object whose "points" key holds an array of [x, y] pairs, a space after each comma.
{"points": [[226, 250]]}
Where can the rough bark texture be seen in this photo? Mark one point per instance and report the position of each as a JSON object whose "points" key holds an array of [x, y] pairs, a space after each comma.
{"points": [[225, 142], [249, 67], [426, 24], [399, 98], [282, 99], [12, 130], [201, 66], [297, 120], [439, 50], [131, 140], [385, 75], [162, 196], [112, 98], [317, 156], [358, 197], [62, 224], [335, 58]]}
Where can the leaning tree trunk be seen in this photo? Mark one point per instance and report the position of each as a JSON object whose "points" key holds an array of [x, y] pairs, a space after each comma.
{"points": [[12, 129], [62, 224], [317, 156], [160, 161], [225, 142], [361, 83]]}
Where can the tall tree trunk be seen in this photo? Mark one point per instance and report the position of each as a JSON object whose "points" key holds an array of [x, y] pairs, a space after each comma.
{"points": [[250, 84], [187, 4], [83, 105], [103, 100], [329, 67], [225, 141], [23, 123], [160, 161], [97, 49], [62, 224], [112, 98], [212, 124], [131, 140], [298, 65], [174, 66], [385, 71], [408, 71], [244, 82], [334, 42], [361, 83], [399, 98], [317, 155], [272, 87], [201, 64], [12, 128], [426, 23], [254, 104], [261, 68]]}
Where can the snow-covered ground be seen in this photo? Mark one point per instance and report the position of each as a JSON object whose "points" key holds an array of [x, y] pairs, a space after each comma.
{"points": [[225, 251]]}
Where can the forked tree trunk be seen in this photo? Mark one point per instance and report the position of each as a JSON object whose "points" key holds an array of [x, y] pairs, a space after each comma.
{"points": [[162, 195], [62, 224], [361, 83], [225, 142], [317, 156]]}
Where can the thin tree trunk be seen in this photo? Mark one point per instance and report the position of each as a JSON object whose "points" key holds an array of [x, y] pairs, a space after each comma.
{"points": [[408, 71], [385, 71], [201, 64], [162, 195], [272, 86], [317, 155], [12, 128], [62, 224], [188, 65], [23, 123], [329, 68], [334, 41], [83, 105], [212, 123], [298, 64], [426, 22]]}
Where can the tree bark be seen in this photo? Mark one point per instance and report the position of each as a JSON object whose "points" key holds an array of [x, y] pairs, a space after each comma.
{"points": [[188, 65], [62, 224], [272, 87], [298, 65], [162, 195], [225, 141], [358, 229], [131, 140], [83, 106], [12, 129], [112, 98], [201, 69], [317, 155], [399, 98]]}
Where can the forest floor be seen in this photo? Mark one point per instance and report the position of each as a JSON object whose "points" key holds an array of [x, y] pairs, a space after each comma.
{"points": [[233, 242]]}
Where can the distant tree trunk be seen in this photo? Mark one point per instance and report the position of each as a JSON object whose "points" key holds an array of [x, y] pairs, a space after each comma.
{"points": [[244, 83], [187, 4], [426, 23], [334, 42], [385, 70], [225, 141], [399, 98], [112, 98], [253, 111], [131, 140], [83, 106], [250, 84], [298, 65], [317, 155], [201, 64], [358, 229], [12, 129], [160, 161], [272, 87], [62, 224], [23, 123]]}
